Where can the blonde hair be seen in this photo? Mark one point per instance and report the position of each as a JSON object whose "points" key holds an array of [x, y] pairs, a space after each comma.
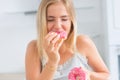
{"points": [[42, 24]]}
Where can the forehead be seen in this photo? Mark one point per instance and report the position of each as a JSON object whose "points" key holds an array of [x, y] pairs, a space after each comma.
{"points": [[57, 9]]}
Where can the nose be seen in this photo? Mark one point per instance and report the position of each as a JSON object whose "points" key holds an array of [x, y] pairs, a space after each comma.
{"points": [[58, 24]]}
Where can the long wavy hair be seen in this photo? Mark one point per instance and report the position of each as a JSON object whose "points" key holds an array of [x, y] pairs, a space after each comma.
{"points": [[42, 24]]}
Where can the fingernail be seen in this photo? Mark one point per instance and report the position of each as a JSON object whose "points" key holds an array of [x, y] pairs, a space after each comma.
{"points": [[52, 33], [59, 35]]}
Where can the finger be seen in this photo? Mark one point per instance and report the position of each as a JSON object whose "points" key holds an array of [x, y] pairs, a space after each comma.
{"points": [[54, 42], [87, 73], [55, 39], [51, 36], [58, 44]]}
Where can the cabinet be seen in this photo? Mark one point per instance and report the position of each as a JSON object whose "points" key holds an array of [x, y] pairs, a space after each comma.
{"points": [[111, 16], [18, 6], [116, 7]]}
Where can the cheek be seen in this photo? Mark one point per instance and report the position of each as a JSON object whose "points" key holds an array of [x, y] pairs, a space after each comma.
{"points": [[68, 28], [49, 27]]}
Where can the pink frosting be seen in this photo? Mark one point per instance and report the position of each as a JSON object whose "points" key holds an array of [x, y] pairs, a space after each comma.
{"points": [[77, 74], [63, 34]]}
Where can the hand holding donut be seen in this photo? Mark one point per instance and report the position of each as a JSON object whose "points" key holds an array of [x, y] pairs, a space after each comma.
{"points": [[52, 43]]}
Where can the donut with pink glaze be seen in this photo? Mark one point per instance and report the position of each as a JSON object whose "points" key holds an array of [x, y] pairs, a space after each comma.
{"points": [[63, 34], [77, 74]]}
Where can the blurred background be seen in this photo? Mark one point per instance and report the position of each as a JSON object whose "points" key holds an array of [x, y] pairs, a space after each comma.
{"points": [[100, 19]]}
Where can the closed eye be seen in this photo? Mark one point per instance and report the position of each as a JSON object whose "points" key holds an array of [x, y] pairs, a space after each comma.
{"points": [[50, 20], [64, 19]]}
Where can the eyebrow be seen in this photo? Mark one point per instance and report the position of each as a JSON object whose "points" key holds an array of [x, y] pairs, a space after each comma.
{"points": [[64, 16]]}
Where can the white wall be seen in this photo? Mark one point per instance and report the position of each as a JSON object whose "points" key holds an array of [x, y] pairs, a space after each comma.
{"points": [[112, 27], [15, 33], [16, 30]]}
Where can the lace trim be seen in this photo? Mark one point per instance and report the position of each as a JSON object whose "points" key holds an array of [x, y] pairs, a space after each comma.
{"points": [[82, 58]]}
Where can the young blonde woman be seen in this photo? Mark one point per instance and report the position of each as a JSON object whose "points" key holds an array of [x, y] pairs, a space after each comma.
{"points": [[51, 57]]}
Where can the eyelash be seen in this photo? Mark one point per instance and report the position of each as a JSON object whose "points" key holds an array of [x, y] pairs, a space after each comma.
{"points": [[64, 19], [50, 20], [54, 20]]}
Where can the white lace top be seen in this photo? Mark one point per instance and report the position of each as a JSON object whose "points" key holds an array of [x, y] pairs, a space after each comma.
{"points": [[63, 70]]}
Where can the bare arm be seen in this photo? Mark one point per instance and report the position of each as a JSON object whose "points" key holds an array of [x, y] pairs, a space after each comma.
{"points": [[87, 47], [33, 65]]}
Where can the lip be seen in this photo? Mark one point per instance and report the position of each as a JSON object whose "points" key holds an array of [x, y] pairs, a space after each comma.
{"points": [[57, 30]]}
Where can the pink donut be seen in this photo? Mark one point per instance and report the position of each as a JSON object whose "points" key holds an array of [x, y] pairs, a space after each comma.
{"points": [[77, 74], [63, 34]]}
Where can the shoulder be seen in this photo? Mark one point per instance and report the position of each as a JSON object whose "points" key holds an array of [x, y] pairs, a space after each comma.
{"points": [[32, 45], [82, 38], [83, 41], [31, 49], [84, 44]]}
